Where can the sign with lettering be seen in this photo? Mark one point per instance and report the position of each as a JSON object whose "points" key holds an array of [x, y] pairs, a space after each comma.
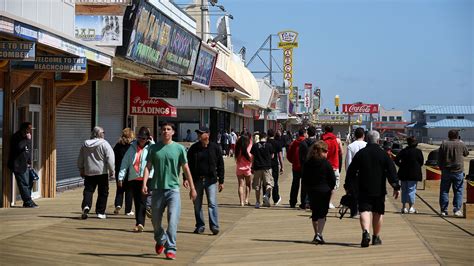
{"points": [[153, 39], [141, 104], [54, 64], [21, 51], [25, 31], [288, 39], [99, 30], [360, 108], [103, 2], [205, 67]]}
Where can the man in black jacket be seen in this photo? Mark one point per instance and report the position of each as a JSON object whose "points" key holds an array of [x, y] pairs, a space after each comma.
{"points": [[19, 162], [366, 178], [303, 152], [207, 168]]}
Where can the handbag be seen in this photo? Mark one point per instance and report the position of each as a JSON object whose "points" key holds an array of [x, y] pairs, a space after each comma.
{"points": [[33, 175]]}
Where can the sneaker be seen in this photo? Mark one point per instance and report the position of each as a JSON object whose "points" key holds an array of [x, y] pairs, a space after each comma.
{"points": [[319, 239], [199, 230], [170, 255], [148, 213], [458, 214], [139, 228], [159, 248], [101, 216], [85, 211], [266, 202], [278, 202], [356, 216], [412, 210], [215, 230], [130, 214], [365, 239], [257, 205], [444, 213], [30, 204], [34, 204], [331, 206], [307, 207], [404, 210], [117, 209], [376, 240]]}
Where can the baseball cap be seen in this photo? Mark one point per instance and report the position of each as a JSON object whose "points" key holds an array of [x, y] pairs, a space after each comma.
{"points": [[202, 130]]}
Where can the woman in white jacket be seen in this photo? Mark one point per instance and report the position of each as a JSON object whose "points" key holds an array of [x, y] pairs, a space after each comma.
{"points": [[134, 162]]}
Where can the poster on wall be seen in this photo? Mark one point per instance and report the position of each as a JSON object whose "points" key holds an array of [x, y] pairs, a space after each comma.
{"points": [[205, 67], [99, 29], [141, 104]]}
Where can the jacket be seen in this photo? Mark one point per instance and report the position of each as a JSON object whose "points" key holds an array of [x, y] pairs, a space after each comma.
{"points": [[304, 148], [293, 155], [368, 172], [20, 153], [333, 149], [318, 176], [451, 153], [96, 158], [129, 160], [216, 162], [119, 152], [409, 160]]}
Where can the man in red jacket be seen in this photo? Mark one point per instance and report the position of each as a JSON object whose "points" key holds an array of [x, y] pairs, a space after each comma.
{"points": [[333, 156], [293, 158]]}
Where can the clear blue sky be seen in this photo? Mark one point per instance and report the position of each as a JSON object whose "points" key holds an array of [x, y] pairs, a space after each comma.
{"points": [[399, 53]]}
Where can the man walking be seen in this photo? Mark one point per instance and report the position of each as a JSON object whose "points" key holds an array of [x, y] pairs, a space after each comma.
{"points": [[277, 165], [96, 162], [294, 158], [262, 164], [333, 156], [233, 140], [19, 162], [451, 163], [303, 152], [366, 180], [352, 149], [207, 166], [166, 158]]}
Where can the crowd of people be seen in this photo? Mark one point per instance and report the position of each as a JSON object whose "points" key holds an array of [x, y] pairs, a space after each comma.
{"points": [[148, 174]]}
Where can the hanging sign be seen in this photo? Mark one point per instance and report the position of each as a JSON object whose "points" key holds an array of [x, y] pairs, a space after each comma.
{"points": [[54, 64], [360, 108], [99, 30], [205, 67], [21, 51], [141, 104]]}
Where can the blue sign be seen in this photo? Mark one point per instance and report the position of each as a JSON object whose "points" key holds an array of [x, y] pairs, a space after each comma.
{"points": [[55, 64], [21, 51], [25, 31], [204, 67]]}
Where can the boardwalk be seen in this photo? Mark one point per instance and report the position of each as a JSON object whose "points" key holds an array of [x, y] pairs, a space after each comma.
{"points": [[54, 234]]}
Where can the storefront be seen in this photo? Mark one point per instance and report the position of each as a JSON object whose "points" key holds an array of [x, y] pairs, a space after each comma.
{"points": [[41, 70]]}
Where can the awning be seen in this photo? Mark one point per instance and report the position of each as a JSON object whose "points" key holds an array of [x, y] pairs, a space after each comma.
{"points": [[240, 74], [221, 81]]}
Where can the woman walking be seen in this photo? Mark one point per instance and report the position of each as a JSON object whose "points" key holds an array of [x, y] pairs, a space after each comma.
{"points": [[243, 160], [134, 162], [119, 150], [319, 180], [409, 160]]}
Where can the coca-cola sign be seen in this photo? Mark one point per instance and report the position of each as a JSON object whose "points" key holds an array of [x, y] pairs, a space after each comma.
{"points": [[141, 104], [360, 108]]}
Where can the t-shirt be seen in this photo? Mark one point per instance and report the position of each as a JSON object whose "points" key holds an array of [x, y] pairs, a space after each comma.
{"points": [[166, 160], [233, 138], [262, 155], [276, 149]]}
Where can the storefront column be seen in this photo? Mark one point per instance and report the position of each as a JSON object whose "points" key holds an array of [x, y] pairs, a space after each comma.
{"points": [[48, 188], [7, 121]]}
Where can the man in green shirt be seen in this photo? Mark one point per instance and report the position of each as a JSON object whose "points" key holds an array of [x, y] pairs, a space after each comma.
{"points": [[166, 157]]}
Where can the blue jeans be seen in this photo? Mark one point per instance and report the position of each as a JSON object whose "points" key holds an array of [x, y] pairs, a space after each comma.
{"points": [[408, 192], [455, 180], [201, 185], [25, 184], [162, 198]]}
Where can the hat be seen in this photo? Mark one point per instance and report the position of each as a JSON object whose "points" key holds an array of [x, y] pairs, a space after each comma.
{"points": [[202, 130]]}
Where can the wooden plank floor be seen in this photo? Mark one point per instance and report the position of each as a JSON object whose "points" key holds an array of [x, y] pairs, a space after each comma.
{"points": [[54, 234]]}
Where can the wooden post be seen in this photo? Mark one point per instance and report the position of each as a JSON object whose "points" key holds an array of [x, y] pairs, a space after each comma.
{"points": [[48, 188], [7, 121]]}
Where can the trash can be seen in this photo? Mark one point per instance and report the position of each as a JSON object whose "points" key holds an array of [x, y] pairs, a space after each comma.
{"points": [[470, 183], [432, 169]]}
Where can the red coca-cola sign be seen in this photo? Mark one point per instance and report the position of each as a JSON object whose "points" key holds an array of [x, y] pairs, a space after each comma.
{"points": [[360, 108], [141, 104]]}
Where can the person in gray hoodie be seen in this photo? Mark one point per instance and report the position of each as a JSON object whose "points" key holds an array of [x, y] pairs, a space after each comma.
{"points": [[96, 162]]}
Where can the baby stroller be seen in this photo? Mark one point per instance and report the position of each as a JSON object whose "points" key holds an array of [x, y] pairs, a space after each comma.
{"points": [[345, 203]]}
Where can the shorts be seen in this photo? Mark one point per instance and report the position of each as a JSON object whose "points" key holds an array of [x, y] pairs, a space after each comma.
{"points": [[232, 147], [372, 204], [319, 204], [262, 177]]}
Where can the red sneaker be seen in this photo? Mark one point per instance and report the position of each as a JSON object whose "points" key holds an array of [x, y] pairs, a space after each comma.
{"points": [[159, 248], [171, 256]]}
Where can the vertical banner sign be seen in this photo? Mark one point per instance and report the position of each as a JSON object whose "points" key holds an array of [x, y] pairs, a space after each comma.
{"points": [[308, 87], [317, 100], [287, 43]]}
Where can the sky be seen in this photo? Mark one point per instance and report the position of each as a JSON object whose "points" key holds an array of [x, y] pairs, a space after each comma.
{"points": [[397, 53]]}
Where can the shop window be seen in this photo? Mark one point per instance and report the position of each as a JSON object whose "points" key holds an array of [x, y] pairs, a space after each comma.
{"points": [[460, 117], [449, 117], [391, 118], [432, 117], [399, 118], [384, 118]]}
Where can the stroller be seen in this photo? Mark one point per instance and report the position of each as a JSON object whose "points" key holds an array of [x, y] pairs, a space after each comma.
{"points": [[345, 203]]}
